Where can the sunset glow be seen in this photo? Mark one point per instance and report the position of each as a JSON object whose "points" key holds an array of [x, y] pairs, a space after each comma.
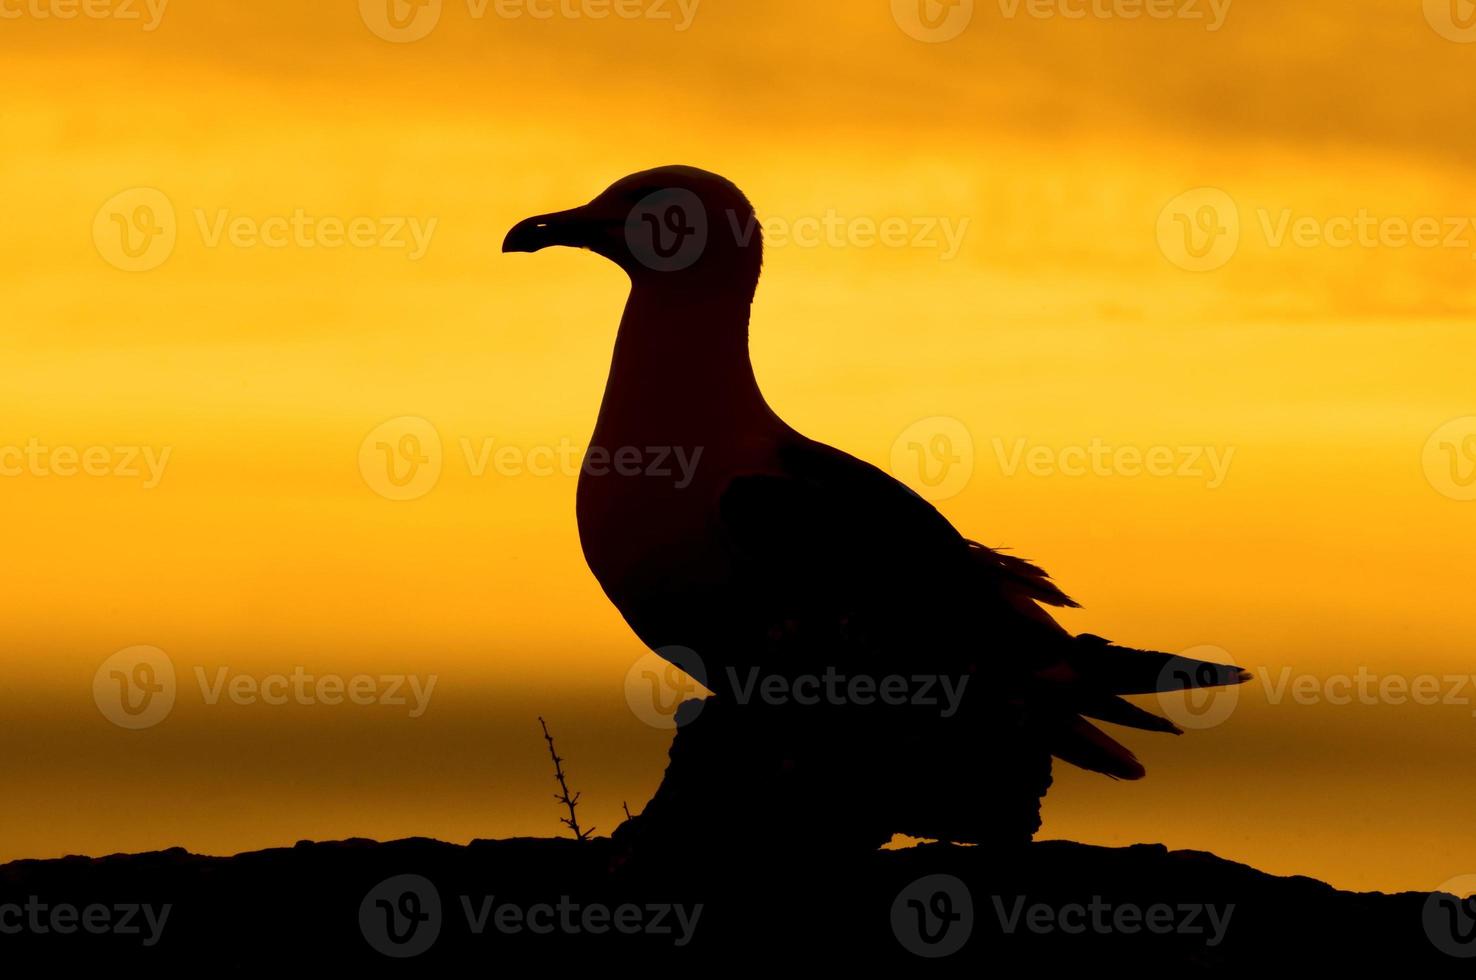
{"points": [[1191, 298]]}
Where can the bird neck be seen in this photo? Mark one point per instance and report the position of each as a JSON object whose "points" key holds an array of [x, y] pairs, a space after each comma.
{"points": [[681, 367]]}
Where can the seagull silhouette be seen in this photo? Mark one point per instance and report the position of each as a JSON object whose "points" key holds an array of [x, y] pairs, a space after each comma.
{"points": [[779, 557]]}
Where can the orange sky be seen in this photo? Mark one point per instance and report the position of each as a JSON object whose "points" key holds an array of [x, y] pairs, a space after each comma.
{"points": [[1060, 318]]}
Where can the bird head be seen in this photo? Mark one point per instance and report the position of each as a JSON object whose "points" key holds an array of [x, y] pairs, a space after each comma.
{"points": [[672, 225]]}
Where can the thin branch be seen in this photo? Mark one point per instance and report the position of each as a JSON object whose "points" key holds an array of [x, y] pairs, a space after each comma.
{"points": [[572, 820]]}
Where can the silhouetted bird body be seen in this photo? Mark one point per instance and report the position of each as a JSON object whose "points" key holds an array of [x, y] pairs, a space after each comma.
{"points": [[778, 556]]}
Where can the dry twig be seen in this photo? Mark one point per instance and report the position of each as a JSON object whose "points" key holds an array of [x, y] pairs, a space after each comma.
{"points": [[572, 820]]}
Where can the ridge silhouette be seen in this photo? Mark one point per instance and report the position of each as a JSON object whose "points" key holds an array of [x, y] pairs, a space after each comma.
{"points": [[783, 560], [420, 907]]}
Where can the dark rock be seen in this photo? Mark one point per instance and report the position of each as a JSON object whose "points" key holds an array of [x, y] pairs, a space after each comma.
{"points": [[332, 906], [838, 781]]}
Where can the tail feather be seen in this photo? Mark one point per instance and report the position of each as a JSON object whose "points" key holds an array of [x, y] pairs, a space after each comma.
{"points": [[1114, 709], [1083, 744], [1024, 575], [1089, 679], [1100, 665]]}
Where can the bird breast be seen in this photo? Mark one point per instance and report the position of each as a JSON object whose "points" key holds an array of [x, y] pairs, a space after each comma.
{"points": [[652, 534]]}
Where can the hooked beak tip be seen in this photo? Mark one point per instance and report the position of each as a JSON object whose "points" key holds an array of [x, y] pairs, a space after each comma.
{"points": [[571, 228], [524, 237]]}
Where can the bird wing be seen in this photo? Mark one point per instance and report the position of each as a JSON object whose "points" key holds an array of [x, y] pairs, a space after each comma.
{"points": [[838, 535], [857, 564]]}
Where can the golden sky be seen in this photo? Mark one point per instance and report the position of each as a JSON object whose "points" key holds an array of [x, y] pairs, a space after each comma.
{"points": [[240, 238]]}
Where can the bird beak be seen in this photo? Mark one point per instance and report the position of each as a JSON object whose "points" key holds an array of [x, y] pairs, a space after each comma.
{"points": [[577, 228]]}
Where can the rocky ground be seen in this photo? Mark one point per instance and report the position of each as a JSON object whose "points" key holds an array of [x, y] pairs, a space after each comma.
{"points": [[426, 907]]}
